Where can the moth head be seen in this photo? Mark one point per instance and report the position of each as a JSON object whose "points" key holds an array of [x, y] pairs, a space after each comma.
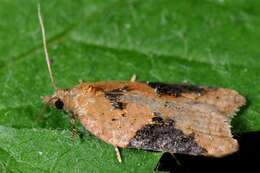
{"points": [[57, 99]]}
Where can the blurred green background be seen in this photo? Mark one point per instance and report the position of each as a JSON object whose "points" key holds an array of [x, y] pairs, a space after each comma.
{"points": [[203, 42]]}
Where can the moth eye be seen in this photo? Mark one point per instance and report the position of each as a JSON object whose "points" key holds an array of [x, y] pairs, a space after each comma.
{"points": [[59, 104]]}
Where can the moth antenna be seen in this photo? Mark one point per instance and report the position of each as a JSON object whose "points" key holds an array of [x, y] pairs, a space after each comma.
{"points": [[45, 48]]}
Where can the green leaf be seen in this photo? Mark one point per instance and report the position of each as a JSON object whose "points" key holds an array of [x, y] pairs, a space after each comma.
{"points": [[213, 43]]}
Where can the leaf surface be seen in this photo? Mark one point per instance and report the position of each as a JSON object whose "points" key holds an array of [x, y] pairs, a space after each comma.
{"points": [[209, 43]]}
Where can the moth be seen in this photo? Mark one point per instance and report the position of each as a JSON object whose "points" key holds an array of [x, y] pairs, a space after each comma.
{"points": [[174, 118]]}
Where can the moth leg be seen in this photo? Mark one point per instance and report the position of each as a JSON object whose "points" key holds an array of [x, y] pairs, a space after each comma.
{"points": [[169, 162], [133, 78], [81, 81], [118, 155], [73, 127], [176, 159], [40, 115]]}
